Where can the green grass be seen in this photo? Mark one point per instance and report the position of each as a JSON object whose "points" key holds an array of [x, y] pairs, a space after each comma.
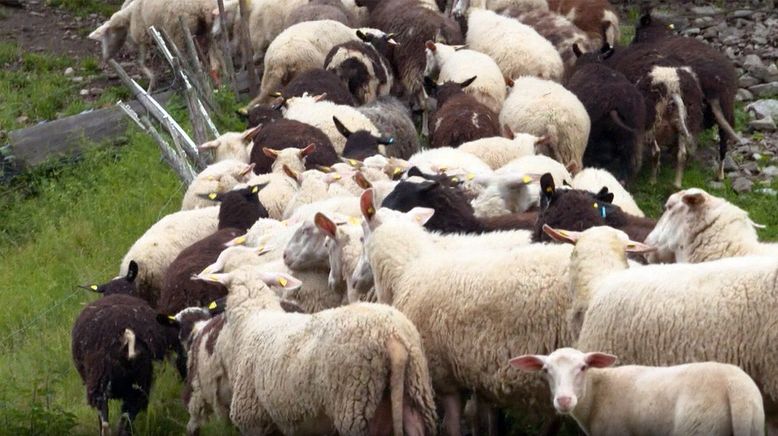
{"points": [[35, 86], [86, 7]]}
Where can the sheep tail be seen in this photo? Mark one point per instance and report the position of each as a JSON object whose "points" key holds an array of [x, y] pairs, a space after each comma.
{"points": [[746, 417], [398, 360], [681, 112], [724, 125], [619, 122], [128, 340]]}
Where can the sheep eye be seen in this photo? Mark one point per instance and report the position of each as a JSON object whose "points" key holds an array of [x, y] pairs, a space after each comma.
{"points": [[584, 367], [545, 370]]}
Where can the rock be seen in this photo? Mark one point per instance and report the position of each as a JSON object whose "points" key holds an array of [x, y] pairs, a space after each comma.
{"points": [[742, 185], [729, 164], [765, 89], [744, 95], [772, 73], [96, 91], [767, 108], [767, 191], [69, 71], [763, 125], [22, 119], [83, 92], [770, 171], [78, 79], [705, 10], [692, 31], [750, 167], [753, 63], [747, 80], [715, 185], [742, 13]]}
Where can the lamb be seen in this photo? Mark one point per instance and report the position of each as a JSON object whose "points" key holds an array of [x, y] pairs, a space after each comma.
{"points": [[156, 249], [521, 50], [459, 117], [594, 179], [239, 210], [297, 49], [699, 227], [464, 289], [579, 210], [219, 178], [497, 151], [363, 365], [412, 26], [595, 17], [447, 64], [115, 340], [319, 114], [362, 67], [317, 81], [715, 72], [617, 306], [715, 398], [284, 133], [617, 112], [541, 107], [231, 145], [134, 20], [393, 117]]}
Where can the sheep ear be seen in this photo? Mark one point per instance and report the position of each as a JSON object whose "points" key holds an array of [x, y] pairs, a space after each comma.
{"points": [[323, 168], [599, 360], [420, 215], [223, 278], [467, 82], [427, 185], [547, 186], [292, 173], [508, 81], [325, 224], [341, 128], [213, 196], [693, 198], [217, 306], [277, 103], [256, 188], [249, 134], [645, 20], [572, 167], [430, 46], [240, 240], [362, 182], [353, 162], [366, 205], [310, 148], [281, 280], [167, 320], [561, 235], [290, 306], [604, 195], [528, 362], [414, 171], [269, 152], [508, 133], [208, 145], [132, 271], [577, 51], [638, 247], [320, 97], [93, 288], [361, 35]]}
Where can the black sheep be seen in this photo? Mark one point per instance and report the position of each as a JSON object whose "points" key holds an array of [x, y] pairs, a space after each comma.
{"points": [[361, 144], [114, 342], [716, 75], [578, 210], [239, 210], [284, 133], [617, 112], [318, 81], [460, 117]]}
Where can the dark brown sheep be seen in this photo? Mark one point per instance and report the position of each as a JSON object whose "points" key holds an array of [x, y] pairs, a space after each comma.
{"points": [[285, 133], [595, 17], [319, 81], [459, 117]]}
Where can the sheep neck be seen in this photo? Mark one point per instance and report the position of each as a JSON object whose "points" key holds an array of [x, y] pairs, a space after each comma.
{"points": [[244, 299], [730, 232], [586, 408], [591, 262], [392, 248]]}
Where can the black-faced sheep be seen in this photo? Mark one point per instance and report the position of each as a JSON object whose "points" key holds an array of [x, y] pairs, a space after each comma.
{"points": [[392, 117], [361, 144], [361, 66], [715, 72], [459, 117], [115, 340], [617, 112], [285, 133]]}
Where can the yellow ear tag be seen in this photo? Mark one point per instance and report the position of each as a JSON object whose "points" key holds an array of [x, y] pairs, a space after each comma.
{"points": [[171, 317], [470, 176], [352, 162], [370, 210], [562, 232], [671, 26], [211, 178], [213, 278], [240, 240], [337, 177], [93, 287], [212, 306], [212, 195], [442, 169], [630, 245], [455, 179], [353, 220], [595, 205], [282, 281], [526, 180], [255, 189], [549, 189]]}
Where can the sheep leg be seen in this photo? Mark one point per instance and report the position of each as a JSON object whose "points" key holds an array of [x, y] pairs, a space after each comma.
{"points": [[146, 70], [422, 100], [102, 417], [655, 160], [452, 410]]}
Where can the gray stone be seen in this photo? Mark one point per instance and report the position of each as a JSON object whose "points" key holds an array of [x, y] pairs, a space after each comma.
{"points": [[750, 167], [767, 108], [744, 95], [742, 13], [69, 71], [746, 80], [729, 164], [765, 90], [22, 119], [715, 185], [705, 10], [742, 184], [83, 92], [752, 62], [763, 125], [772, 73], [692, 31], [770, 171], [767, 191]]}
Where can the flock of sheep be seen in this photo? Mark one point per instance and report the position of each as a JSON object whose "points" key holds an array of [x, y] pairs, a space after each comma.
{"points": [[326, 274]]}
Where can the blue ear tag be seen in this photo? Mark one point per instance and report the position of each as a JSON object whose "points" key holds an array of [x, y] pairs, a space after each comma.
{"points": [[602, 211]]}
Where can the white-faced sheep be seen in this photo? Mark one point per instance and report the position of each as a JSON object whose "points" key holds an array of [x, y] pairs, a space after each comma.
{"points": [[517, 48], [633, 400], [360, 367], [231, 145], [542, 107], [699, 227], [217, 178], [631, 310]]}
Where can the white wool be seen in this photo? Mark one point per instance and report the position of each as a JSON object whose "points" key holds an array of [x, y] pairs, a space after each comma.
{"points": [[594, 179], [492, 202], [229, 146], [498, 151], [518, 49], [275, 196], [219, 178], [542, 107], [449, 160]]}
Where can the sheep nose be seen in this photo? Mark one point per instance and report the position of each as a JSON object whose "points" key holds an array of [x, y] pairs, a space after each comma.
{"points": [[565, 404]]}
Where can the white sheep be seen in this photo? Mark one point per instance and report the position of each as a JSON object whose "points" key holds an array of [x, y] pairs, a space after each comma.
{"points": [[693, 399], [319, 113], [517, 48], [672, 314], [498, 151], [156, 249], [594, 179], [542, 107], [217, 178], [458, 65], [232, 145], [343, 370], [474, 296], [280, 188], [450, 161], [315, 186], [699, 227]]}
